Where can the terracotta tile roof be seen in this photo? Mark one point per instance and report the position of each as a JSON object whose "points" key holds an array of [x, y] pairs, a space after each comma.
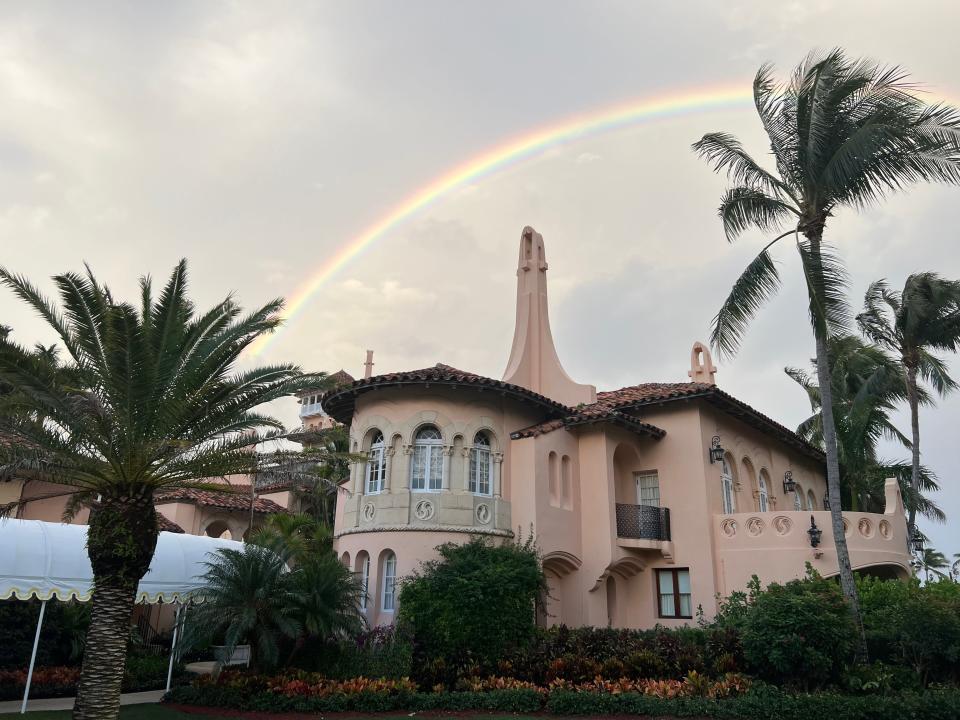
{"points": [[167, 525], [339, 402], [223, 500], [589, 415]]}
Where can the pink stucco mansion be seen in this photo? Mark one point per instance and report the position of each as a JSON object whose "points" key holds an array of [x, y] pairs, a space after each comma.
{"points": [[647, 502]]}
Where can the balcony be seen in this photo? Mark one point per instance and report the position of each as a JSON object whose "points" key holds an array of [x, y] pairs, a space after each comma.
{"points": [[643, 522], [308, 409]]}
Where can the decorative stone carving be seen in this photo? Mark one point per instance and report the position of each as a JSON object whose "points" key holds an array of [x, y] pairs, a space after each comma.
{"points": [[884, 529], [755, 526], [782, 524], [424, 510], [369, 511], [865, 527], [846, 528], [729, 527], [483, 514]]}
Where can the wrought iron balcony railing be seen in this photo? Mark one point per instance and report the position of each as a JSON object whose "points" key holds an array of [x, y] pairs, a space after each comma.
{"points": [[643, 522]]}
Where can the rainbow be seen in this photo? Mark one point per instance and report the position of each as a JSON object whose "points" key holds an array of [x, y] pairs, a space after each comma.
{"points": [[530, 145]]}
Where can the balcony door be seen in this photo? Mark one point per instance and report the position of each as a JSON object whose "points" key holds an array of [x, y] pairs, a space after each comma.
{"points": [[648, 488]]}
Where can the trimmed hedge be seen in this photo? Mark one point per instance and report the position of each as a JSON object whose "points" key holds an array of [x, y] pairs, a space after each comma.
{"points": [[760, 703]]}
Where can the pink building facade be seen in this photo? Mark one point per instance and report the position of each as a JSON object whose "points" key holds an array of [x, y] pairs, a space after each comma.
{"points": [[638, 521]]}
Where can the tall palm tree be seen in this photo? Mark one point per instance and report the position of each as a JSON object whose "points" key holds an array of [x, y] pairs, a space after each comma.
{"points": [[842, 134], [148, 399], [934, 561], [913, 324], [867, 385]]}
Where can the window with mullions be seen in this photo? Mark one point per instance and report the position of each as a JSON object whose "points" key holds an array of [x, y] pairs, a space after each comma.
{"points": [[673, 594], [648, 488], [426, 472], [376, 465], [480, 466], [389, 599]]}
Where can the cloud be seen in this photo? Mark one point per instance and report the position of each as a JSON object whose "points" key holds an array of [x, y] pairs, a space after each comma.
{"points": [[586, 158]]}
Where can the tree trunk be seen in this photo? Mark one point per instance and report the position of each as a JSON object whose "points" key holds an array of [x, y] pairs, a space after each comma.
{"points": [[848, 582], [121, 538], [98, 693], [914, 449]]}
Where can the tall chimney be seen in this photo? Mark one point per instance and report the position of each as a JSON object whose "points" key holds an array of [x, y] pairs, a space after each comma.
{"points": [[368, 365]]}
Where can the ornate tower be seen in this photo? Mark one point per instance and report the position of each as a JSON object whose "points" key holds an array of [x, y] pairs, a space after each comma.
{"points": [[533, 362]]}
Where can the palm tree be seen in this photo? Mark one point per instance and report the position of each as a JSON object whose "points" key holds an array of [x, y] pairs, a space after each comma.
{"points": [[843, 134], [147, 399], [955, 567], [934, 561], [246, 597], [923, 318], [298, 537]]}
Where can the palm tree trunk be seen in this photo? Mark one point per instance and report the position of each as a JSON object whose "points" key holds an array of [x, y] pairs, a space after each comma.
{"points": [[121, 539], [98, 693], [914, 449], [847, 581]]}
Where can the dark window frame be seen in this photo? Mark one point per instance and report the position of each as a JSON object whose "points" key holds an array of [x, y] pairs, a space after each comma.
{"points": [[675, 582]]}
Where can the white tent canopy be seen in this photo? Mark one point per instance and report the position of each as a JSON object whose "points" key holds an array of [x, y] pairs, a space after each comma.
{"points": [[49, 560]]}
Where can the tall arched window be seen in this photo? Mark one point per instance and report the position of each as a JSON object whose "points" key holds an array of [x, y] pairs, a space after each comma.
{"points": [[364, 571], [427, 470], [389, 598], [726, 484], [481, 481], [376, 465], [798, 498], [811, 500], [763, 495]]}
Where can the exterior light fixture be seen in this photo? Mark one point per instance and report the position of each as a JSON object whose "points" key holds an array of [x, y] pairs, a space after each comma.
{"points": [[917, 541], [716, 450], [789, 485], [814, 532], [826, 501]]}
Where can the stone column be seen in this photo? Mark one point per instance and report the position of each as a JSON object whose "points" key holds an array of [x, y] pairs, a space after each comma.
{"points": [[359, 469], [465, 453], [404, 483], [447, 455], [497, 474], [388, 468]]}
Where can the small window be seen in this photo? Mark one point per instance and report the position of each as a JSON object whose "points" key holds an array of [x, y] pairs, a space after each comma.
{"points": [[480, 466], [389, 583], [763, 497], [812, 501], [673, 591], [376, 465], [648, 488], [427, 463], [798, 499]]}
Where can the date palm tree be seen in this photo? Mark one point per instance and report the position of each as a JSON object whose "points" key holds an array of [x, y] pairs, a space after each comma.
{"points": [[148, 398], [914, 324], [843, 133]]}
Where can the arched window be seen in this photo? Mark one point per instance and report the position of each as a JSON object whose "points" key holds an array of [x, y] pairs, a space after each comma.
{"points": [[798, 498], [427, 470], [389, 598], [363, 570], [376, 465], [763, 496], [726, 484], [811, 500], [481, 481]]}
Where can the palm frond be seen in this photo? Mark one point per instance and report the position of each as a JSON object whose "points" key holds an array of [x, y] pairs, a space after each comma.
{"points": [[758, 283]]}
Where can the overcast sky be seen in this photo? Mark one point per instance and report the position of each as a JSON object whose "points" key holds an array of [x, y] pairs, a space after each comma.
{"points": [[256, 139]]}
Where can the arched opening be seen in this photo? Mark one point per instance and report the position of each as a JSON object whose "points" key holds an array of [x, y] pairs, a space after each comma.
{"points": [[798, 498], [388, 581], [218, 529], [553, 478], [763, 491], [426, 465], [727, 483], [811, 500], [376, 470], [345, 560], [481, 467], [566, 483], [611, 602], [362, 570]]}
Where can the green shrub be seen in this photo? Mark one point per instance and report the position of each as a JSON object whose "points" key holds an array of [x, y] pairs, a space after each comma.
{"points": [[914, 625], [800, 633], [477, 601]]}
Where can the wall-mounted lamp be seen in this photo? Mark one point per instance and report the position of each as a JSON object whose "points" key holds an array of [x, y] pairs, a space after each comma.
{"points": [[716, 450], [826, 501], [917, 541], [789, 485], [814, 532]]}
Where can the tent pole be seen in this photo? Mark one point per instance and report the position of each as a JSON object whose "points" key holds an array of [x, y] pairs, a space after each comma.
{"points": [[173, 645], [33, 657]]}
